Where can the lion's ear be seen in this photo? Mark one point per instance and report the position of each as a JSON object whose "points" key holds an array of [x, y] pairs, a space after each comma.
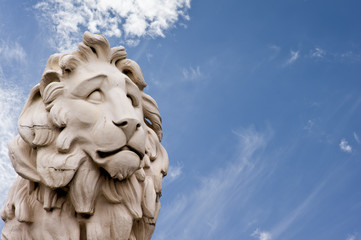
{"points": [[34, 125], [152, 115], [132, 70]]}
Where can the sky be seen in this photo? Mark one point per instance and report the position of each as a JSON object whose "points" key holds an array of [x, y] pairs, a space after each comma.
{"points": [[260, 102]]}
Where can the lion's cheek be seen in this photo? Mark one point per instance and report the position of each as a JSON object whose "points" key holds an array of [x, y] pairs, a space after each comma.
{"points": [[121, 165], [81, 113], [106, 135]]}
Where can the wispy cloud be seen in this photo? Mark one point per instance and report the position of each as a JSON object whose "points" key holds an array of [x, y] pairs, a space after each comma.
{"points": [[345, 146], [275, 51], [149, 56], [318, 53], [354, 236], [11, 100], [192, 73], [309, 125], [356, 138], [294, 56], [351, 56], [321, 54], [200, 213], [282, 226], [129, 19], [351, 237], [12, 52], [261, 235], [174, 172]]}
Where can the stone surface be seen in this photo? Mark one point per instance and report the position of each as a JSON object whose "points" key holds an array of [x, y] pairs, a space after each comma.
{"points": [[88, 151]]}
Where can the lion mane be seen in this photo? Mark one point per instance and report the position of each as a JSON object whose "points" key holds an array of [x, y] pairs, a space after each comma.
{"points": [[61, 193]]}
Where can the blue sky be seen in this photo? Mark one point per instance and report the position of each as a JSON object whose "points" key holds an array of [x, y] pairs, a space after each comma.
{"points": [[260, 102]]}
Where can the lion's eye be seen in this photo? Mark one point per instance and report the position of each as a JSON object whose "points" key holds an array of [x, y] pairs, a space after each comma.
{"points": [[133, 100], [95, 96]]}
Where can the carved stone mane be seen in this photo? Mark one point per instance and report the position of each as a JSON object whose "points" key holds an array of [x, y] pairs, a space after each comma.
{"points": [[88, 151]]}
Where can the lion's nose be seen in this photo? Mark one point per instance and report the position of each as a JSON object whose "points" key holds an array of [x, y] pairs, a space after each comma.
{"points": [[128, 125]]}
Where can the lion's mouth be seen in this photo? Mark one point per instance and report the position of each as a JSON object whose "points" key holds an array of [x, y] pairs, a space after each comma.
{"points": [[103, 154]]}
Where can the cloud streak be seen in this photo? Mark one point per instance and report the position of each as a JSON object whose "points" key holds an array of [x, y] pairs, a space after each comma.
{"points": [[129, 19], [294, 56], [283, 225], [202, 213], [356, 138]]}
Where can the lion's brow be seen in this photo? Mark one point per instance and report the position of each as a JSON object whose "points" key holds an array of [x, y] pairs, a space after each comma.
{"points": [[88, 85]]}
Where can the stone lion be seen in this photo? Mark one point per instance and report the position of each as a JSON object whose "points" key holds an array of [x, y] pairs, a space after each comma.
{"points": [[88, 151]]}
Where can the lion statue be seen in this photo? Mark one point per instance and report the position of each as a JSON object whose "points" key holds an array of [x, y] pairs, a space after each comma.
{"points": [[88, 151]]}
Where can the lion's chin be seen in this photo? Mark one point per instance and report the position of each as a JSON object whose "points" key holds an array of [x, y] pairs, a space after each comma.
{"points": [[119, 165]]}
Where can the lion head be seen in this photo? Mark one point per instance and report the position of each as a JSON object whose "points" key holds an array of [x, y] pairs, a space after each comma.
{"points": [[89, 137]]}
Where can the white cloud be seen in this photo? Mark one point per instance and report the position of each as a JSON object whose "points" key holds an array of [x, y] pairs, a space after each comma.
{"points": [[192, 73], [294, 56], [356, 138], [318, 53], [11, 101], [345, 146], [260, 235], [12, 52], [131, 19]]}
